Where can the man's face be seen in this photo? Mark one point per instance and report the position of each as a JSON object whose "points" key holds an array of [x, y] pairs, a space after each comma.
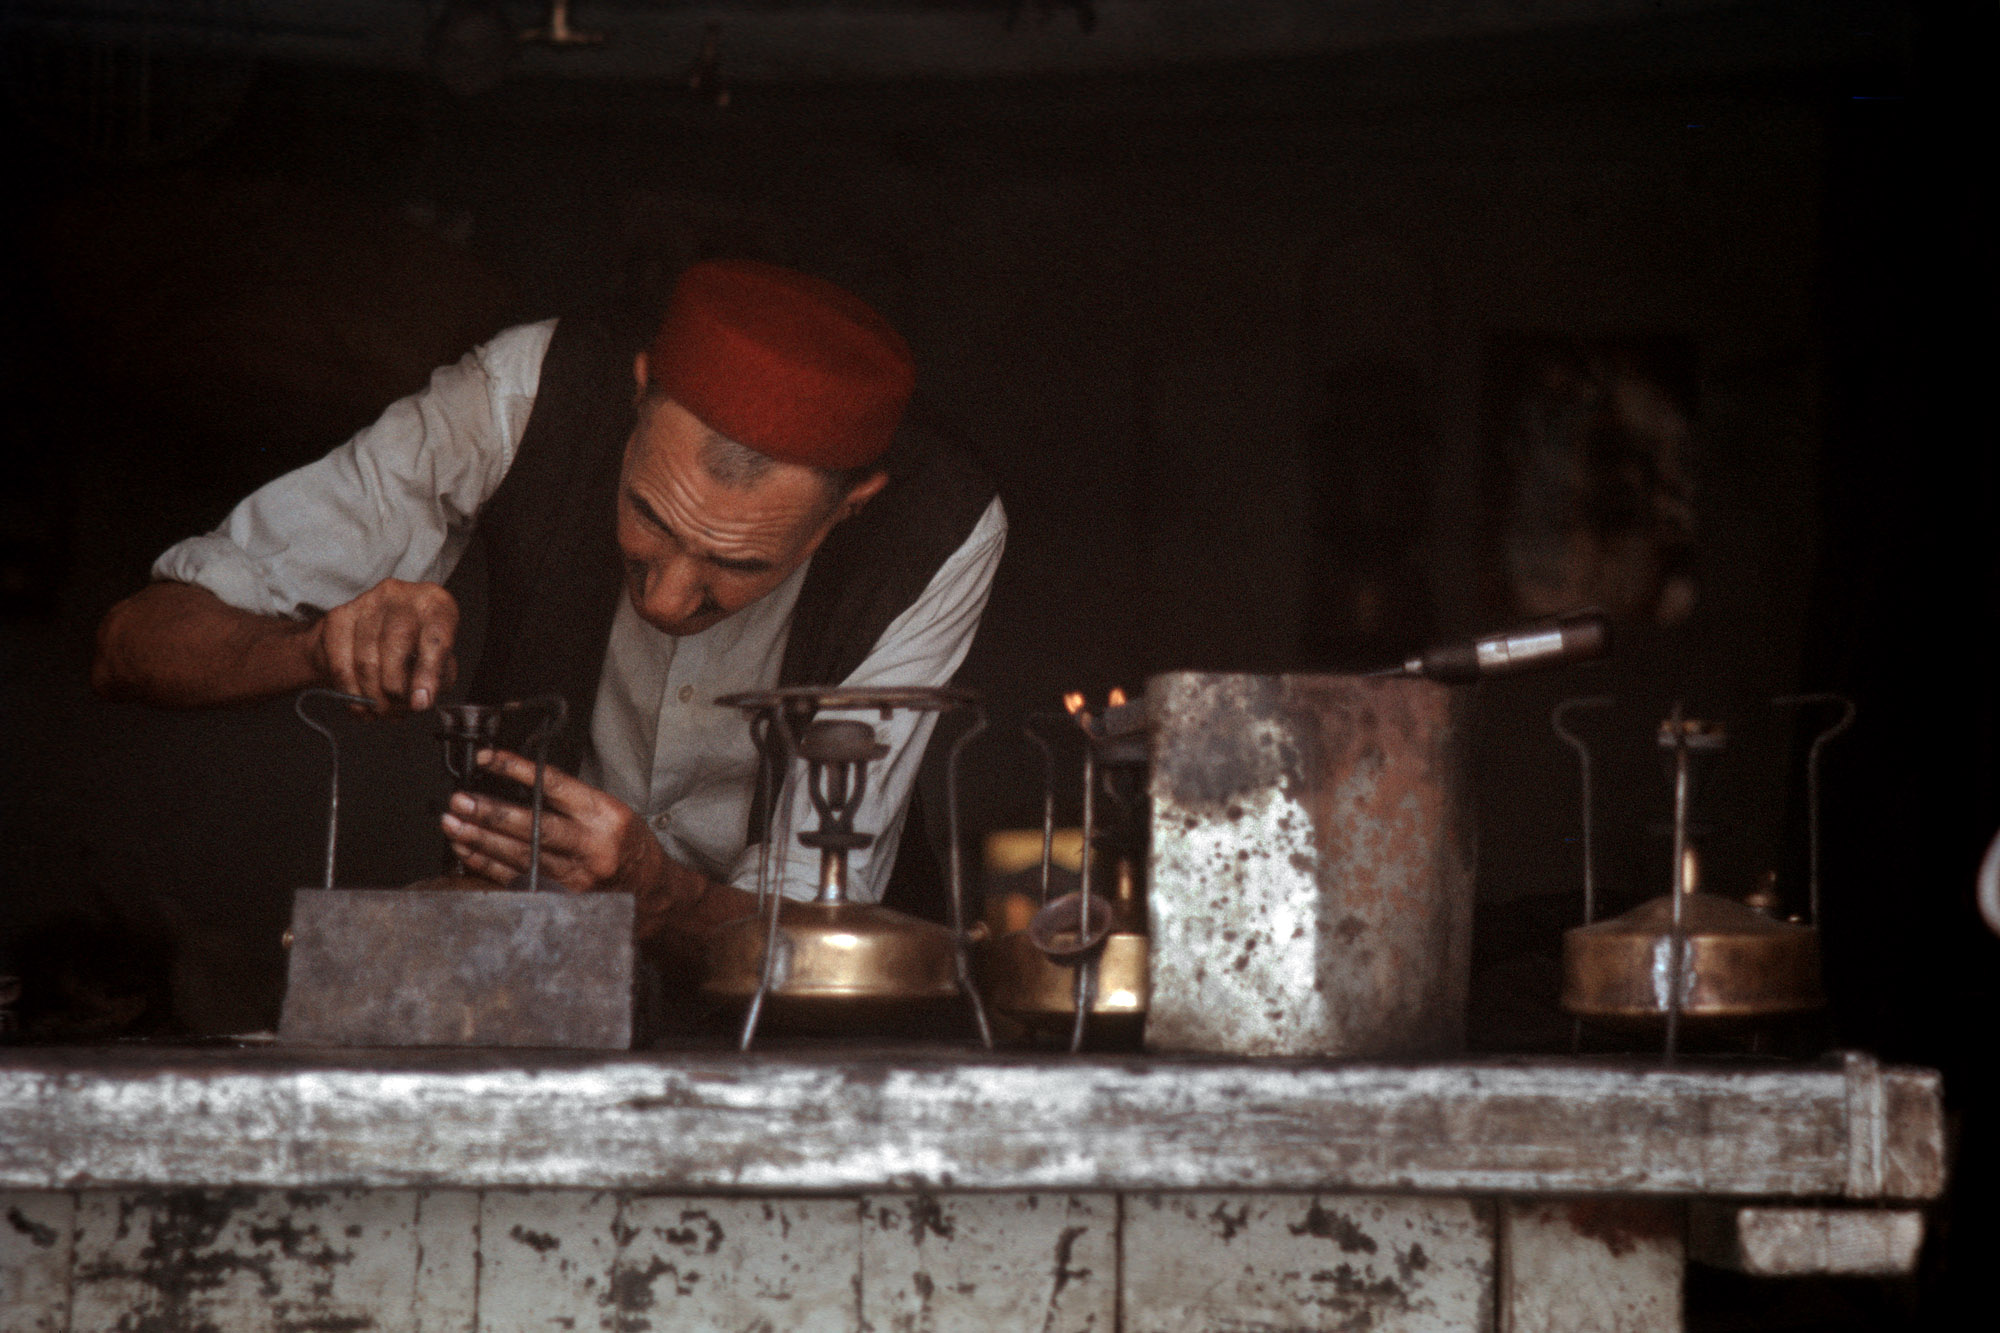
{"points": [[697, 549]]}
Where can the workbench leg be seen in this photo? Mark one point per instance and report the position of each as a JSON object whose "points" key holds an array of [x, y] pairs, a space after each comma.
{"points": [[1591, 1266], [37, 1242]]}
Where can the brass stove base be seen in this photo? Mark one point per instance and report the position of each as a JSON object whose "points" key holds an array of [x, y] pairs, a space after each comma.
{"points": [[843, 969], [1024, 985], [1738, 965]]}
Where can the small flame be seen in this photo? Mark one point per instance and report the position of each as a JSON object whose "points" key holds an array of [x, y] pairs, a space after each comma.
{"points": [[1117, 697], [1073, 701]]}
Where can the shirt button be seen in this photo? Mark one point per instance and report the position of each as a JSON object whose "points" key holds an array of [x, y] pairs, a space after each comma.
{"points": [[687, 693], [662, 819]]}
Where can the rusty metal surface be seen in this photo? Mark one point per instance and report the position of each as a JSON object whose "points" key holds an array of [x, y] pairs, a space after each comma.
{"points": [[450, 967], [836, 1120], [1311, 873], [1766, 1241]]}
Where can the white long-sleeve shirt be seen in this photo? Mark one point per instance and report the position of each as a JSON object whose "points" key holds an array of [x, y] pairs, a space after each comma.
{"points": [[398, 501]]}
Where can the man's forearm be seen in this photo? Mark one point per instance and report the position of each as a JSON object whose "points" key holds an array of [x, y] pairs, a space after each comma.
{"points": [[179, 645]]}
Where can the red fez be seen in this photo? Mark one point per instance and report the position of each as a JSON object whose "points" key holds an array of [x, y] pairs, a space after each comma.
{"points": [[792, 366]]}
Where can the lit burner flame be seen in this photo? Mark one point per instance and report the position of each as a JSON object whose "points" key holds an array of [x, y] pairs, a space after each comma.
{"points": [[1117, 697], [1073, 701]]}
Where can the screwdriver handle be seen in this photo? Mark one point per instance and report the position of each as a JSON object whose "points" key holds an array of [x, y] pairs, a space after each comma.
{"points": [[1573, 638]]}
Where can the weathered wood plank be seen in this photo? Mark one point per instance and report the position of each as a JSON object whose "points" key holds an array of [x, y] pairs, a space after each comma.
{"points": [[37, 1242], [969, 1263], [248, 1260], [447, 1233], [546, 1261], [691, 1265], [1590, 1266], [1199, 1262], [868, 1121], [1801, 1242]]}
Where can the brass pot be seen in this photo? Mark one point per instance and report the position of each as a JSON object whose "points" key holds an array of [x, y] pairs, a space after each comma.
{"points": [[1737, 963], [1022, 983], [839, 965]]}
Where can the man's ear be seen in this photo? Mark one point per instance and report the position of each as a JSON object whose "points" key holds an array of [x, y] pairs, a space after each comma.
{"points": [[639, 368], [861, 493]]}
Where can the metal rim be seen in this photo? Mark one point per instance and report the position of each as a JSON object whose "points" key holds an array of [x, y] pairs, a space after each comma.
{"points": [[885, 698]]}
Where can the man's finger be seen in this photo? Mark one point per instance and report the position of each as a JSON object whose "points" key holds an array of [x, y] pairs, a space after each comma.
{"points": [[515, 822], [437, 628], [436, 668], [485, 867], [561, 792], [495, 844], [365, 650], [336, 645], [398, 646], [508, 865]]}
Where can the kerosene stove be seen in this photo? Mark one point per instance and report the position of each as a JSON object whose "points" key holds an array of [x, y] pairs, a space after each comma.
{"points": [[830, 965], [1079, 964], [1694, 958], [453, 960]]}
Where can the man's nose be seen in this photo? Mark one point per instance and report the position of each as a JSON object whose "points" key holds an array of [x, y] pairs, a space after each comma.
{"points": [[673, 590]]}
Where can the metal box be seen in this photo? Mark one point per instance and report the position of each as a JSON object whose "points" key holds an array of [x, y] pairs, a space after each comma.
{"points": [[1310, 886], [459, 967]]}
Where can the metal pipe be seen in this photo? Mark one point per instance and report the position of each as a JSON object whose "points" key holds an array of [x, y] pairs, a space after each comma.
{"points": [[1085, 995], [781, 828], [1677, 953], [538, 740], [1812, 784], [1083, 890], [1576, 743], [333, 789], [1048, 805], [956, 873]]}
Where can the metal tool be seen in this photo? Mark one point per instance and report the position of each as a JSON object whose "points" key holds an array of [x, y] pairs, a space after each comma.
{"points": [[830, 964], [451, 961], [465, 730], [1691, 955], [1572, 638]]}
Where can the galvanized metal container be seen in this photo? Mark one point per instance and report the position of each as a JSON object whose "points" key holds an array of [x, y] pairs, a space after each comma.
{"points": [[1311, 865]]}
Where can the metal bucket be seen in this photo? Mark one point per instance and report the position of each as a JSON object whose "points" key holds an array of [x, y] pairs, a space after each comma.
{"points": [[1311, 865]]}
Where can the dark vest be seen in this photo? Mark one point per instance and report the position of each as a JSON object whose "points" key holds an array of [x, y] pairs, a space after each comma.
{"points": [[544, 561]]}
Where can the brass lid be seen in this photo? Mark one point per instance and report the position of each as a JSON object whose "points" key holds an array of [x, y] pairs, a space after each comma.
{"points": [[1738, 963], [837, 951]]}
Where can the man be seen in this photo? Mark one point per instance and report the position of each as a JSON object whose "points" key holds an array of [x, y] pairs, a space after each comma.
{"points": [[731, 507]]}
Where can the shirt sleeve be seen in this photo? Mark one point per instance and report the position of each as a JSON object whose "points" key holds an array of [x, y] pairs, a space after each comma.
{"points": [[396, 501], [922, 646]]}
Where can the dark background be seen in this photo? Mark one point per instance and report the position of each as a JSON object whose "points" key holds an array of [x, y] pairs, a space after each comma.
{"points": [[1228, 332]]}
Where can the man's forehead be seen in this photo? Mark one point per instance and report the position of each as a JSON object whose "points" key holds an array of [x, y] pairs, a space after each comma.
{"points": [[668, 468]]}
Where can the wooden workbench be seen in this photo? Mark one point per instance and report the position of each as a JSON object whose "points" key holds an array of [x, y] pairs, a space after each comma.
{"points": [[843, 1188]]}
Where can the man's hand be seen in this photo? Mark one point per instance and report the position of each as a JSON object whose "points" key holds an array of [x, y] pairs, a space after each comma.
{"points": [[391, 645], [591, 842], [179, 645]]}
